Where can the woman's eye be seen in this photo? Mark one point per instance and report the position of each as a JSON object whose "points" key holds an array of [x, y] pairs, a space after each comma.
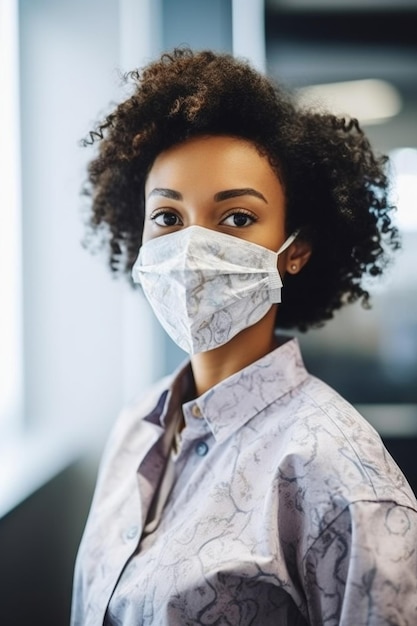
{"points": [[239, 219], [166, 218]]}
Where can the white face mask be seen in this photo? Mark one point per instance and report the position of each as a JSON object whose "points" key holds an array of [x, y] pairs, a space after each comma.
{"points": [[205, 286]]}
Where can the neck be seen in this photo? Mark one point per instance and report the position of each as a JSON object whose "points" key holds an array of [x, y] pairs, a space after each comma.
{"points": [[210, 368]]}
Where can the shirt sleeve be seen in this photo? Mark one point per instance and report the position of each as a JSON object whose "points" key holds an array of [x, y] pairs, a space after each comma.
{"points": [[362, 570]]}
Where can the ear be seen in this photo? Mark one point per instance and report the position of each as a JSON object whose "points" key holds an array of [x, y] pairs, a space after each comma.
{"points": [[298, 255]]}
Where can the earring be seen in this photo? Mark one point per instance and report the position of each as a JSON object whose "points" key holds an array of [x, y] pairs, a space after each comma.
{"points": [[293, 267]]}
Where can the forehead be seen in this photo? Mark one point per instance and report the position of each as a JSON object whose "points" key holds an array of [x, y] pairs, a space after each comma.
{"points": [[211, 161]]}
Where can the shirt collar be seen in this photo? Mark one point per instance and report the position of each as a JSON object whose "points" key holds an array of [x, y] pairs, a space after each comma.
{"points": [[227, 406], [234, 401], [178, 386]]}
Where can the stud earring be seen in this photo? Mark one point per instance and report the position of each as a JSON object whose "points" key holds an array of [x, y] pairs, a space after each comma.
{"points": [[293, 267]]}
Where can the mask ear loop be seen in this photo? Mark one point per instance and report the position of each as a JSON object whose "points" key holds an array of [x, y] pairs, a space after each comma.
{"points": [[288, 241], [275, 281]]}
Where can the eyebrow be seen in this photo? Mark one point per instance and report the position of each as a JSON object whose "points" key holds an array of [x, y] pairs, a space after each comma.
{"points": [[235, 193], [166, 193], [218, 197]]}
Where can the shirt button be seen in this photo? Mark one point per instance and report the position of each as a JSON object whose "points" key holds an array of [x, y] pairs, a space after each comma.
{"points": [[195, 410], [201, 448], [132, 532]]}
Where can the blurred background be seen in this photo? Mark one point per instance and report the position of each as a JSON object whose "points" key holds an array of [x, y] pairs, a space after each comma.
{"points": [[75, 345]]}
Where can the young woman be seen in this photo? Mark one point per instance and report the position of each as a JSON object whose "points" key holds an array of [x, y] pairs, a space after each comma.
{"points": [[242, 490]]}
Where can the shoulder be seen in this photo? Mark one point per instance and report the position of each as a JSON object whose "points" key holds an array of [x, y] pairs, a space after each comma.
{"points": [[334, 456], [333, 473], [364, 565], [147, 404], [129, 423]]}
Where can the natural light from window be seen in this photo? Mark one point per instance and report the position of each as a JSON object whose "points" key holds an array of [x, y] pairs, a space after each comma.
{"points": [[10, 224], [404, 181]]}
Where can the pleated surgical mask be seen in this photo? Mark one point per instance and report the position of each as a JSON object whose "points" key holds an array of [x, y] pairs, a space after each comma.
{"points": [[205, 286]]}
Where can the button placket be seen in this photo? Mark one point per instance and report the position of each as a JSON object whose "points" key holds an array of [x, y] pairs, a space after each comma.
{"points": [[196, 431], [201, 448], [132, 532], [196, 411]]}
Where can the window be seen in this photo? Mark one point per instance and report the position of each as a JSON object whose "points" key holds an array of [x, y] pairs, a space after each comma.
{"points": [[10, 224]]}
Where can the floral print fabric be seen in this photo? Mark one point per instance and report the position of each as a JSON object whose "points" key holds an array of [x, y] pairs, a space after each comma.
{"points": [[285, 509]]}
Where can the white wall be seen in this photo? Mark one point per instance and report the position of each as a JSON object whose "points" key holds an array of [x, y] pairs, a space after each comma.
{"points": [[74, 314], [89, 343]]}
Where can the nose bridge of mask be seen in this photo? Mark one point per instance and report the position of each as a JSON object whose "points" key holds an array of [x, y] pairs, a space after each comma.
{"points": [[193, 240], [196, 237], [213, 250], [187, 244]]}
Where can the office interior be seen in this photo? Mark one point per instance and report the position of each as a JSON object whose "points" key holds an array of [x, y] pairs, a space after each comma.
{"points": [[85, 344]]}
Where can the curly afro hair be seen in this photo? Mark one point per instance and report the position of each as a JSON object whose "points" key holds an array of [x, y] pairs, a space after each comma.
{"points": [[336, 188]]}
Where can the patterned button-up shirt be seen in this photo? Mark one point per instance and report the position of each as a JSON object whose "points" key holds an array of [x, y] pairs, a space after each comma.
{"points": [[285, 509]]}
